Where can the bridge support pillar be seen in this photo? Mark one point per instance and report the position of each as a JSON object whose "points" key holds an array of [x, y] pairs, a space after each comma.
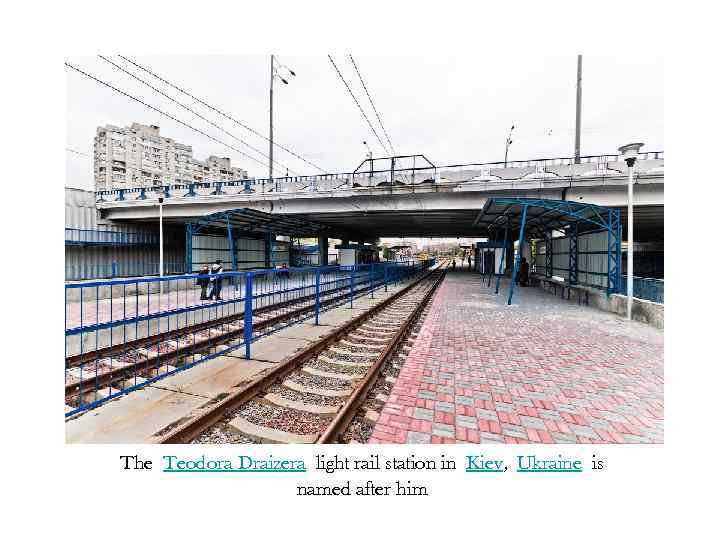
{"points": [[269, 237], [322, 250]]}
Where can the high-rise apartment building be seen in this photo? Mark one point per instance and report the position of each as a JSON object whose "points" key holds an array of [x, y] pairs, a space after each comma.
{"points": [[139, 156]]}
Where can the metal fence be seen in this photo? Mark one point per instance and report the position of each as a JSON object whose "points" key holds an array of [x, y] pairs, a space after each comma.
{"points": [[349, 180], [123, 334], [113, 238], [646, 288], [77, 272]]}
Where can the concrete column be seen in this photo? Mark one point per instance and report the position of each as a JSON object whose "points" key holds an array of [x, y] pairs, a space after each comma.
{"points": [[269, 237], [322, 250]]}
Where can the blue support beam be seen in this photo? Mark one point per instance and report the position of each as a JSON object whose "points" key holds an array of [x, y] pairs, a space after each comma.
{"points": [[502, 259], [188, 247], [518, 255], [573, 254], [548, 254]]}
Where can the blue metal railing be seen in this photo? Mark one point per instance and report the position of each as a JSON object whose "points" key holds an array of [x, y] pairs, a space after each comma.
{"points": [[645, 288], [77, 272], [173, 316], [114, 238], [414, 175]]}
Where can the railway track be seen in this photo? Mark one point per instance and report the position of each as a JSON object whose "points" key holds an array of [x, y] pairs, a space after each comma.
{"points": [[313, 396], [110, 370]]}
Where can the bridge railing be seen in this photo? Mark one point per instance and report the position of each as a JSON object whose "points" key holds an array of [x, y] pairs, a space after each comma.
{"points": [[123, 334], [340, 181]]}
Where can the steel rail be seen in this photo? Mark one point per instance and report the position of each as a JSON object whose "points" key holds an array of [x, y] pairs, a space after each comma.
{"points": [[203, 419], [339, 423], [138, 368]]}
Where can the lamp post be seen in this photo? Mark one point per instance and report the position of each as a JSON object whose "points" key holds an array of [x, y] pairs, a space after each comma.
{"points": [[508, 142], [160, 203], [274, 72], [629, 153]]}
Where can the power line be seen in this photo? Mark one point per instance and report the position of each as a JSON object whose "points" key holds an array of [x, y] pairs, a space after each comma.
{"points": [[218, 111], [163, 113], [79, 153], [189, 110], [358, 104], [377, 114]]}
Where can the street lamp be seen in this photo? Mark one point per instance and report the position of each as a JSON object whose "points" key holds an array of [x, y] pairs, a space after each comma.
{"points": [[508, 142], [160, 204], [629, 153], [275, 73]]}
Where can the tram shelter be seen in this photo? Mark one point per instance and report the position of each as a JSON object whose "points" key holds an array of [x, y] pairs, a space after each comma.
{"points": [[579, 239]]}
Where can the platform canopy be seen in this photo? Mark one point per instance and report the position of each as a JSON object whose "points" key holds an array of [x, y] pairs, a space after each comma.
{"points": [[246, 220], [542, 215], [539, 218]]}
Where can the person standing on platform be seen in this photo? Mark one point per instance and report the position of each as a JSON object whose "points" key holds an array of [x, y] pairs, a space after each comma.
{"points": [[216, 279], [470, 263], [453, 263], [524, 274], [203, 282]]}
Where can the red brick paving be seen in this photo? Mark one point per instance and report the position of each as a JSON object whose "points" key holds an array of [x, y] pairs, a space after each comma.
{"points": [[544, 370]]}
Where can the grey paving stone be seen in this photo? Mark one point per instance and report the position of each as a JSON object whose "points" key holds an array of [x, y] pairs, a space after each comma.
{"points": [[613, 416], [464, 400], [486, 414], [562, 407], [443, 430], [414, 437], [423, 414], [482, 395], [563, 438], [491, 438], [583, 431], [634, 438], [549, 415], [596, 423], [532, 422], [504, 407], [427, 394], [444, 406], [429, 380], [511, 430], [525, 402], [445, 389], [466, 421]]}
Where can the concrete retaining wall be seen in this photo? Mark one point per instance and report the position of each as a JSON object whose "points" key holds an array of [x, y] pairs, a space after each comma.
{"points": [[643, 310]]}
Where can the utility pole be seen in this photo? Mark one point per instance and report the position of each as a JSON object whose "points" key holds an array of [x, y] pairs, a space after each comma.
{"points": [[508, 142], [272, 83], [273, 74], [578, 108]]}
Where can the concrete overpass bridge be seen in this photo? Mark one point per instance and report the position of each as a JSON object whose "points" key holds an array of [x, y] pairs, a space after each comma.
{"points": [[423, 201]]}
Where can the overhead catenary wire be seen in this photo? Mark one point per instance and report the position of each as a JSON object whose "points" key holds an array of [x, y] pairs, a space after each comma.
{"points": [[171, 117], [372, 103], [78, 153], [220, 112], [157, 90], [358, 104]]}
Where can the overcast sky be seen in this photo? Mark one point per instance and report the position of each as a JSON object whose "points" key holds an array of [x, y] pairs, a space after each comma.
{"points": [[453, 110]]}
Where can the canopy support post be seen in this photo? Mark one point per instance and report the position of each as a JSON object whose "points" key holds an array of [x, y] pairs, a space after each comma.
{"points": [[518, 255]]}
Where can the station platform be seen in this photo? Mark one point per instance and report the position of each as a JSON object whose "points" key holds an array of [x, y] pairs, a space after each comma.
{"points": [[544, 370]]}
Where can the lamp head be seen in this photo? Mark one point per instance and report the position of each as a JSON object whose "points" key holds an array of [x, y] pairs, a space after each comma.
{"points": [[630, 150]]}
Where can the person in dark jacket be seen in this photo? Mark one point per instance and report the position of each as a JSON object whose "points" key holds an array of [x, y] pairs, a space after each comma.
{"points": [[216, 280], [524, 274], [203, 282]]}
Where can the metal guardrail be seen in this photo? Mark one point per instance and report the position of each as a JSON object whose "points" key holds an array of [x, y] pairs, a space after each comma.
{"points": [[645, 288], [106, 320], [413, 176], [78, 272], [96, 236]]}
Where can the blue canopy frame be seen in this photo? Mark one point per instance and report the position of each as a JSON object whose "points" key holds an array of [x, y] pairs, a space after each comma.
{"points": [[539, 217]]}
